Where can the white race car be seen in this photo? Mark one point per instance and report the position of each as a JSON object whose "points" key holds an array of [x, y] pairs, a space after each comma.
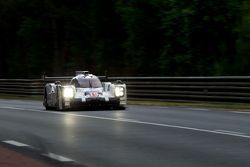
{"points": [[84, 90]]}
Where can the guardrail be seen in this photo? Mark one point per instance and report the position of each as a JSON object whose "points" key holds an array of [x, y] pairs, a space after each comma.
{"points": [[22, 86], [230, 89]]}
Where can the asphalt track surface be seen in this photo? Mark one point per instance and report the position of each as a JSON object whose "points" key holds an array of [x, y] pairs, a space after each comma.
{"points": [[141, 136]]}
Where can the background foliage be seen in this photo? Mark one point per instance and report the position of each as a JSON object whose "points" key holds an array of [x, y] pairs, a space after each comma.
{"points": [[124, 37]]}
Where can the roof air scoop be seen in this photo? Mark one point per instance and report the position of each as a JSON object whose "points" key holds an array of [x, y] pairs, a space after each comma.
{"points": [[82, 72]]}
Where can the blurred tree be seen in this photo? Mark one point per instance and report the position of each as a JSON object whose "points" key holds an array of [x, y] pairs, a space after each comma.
{"points": [[243, 42], [144, 37], [125, 37], [200, 36], [9, 21]]}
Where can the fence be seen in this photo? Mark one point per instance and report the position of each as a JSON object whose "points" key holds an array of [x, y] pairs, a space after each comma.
{"points": [[230, 89]]}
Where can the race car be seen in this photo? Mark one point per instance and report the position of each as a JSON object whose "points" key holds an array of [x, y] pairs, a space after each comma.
{"points": [[84, 90]]}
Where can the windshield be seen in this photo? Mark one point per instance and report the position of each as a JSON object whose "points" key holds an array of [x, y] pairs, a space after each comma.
{"points": [[87, 83]]}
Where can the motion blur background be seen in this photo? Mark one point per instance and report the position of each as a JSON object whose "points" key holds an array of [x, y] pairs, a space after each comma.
{"points": [[124, 37]]}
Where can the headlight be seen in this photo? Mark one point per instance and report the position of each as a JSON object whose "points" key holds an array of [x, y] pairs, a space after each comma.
{"points": [[119, 91], [68, 92]]}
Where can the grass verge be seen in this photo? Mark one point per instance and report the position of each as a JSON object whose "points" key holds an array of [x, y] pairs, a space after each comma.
{"points": [[21, 97], [195, 104]]}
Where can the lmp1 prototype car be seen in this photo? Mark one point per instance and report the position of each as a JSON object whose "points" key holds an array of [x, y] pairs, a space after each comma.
{"points": [[84, 90]]}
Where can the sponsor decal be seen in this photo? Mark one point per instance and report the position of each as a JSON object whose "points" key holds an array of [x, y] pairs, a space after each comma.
{"points": [[93, 94]]}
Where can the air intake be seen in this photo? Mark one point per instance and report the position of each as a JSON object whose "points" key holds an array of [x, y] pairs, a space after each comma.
{"points": [[82, 72]]}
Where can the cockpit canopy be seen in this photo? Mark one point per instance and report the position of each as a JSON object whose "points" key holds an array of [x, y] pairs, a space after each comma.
{"points": [[83, 81]]}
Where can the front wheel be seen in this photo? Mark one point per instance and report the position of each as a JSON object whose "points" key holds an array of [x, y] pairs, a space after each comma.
{"points": [[122, 108], [59, 100], [45, 101], [118, 108]]}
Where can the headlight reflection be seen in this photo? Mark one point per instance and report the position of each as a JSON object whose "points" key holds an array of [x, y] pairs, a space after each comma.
{"points": [[68, 92]]}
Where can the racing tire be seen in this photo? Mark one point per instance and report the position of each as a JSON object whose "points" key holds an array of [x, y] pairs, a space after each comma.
{"points": [[122, 108], [59, 104], [49, 108], [45, 103], [118, 108]]}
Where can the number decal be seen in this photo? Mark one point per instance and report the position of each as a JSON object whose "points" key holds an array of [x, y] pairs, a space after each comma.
{"points": [[93, 94]]}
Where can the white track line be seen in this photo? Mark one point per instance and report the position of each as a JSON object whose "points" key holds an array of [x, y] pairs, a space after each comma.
{"points": [[126, 120], [230, 132], [15, 143], [50, 155], [135, 121], [199, 109], [58, 157], [240, 112]]}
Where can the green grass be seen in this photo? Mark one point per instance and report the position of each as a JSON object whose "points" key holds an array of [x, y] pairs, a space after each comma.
{"points": [[196, 104], [21, 97], [220, 105]]}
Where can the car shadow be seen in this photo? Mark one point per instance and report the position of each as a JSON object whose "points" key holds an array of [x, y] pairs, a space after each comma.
{"points": [[86, 109], [91, 108]]}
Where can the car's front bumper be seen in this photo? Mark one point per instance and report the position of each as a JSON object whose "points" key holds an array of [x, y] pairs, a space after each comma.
{"points": [[93, 102]]}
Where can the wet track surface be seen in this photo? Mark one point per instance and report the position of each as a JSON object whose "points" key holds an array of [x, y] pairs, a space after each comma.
{"points": [[139, 136]]}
